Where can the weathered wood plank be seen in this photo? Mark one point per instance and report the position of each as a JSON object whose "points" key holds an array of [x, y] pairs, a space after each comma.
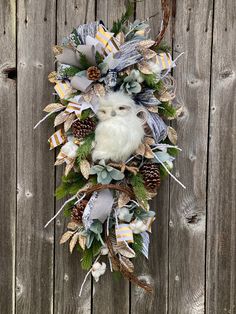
{"points": [[36, 35], [221, 218], [155, 269], [110, 295], [192, 34], [68, 273], [7, 155]]}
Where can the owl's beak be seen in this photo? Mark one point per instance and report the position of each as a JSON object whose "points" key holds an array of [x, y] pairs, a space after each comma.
{"points": [[113, 113]]}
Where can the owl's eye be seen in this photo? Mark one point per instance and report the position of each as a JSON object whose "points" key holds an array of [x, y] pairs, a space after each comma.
{"points": [[102, 111], [122, 108]]}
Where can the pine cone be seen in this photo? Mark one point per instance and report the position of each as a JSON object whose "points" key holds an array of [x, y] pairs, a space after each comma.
{"points": [[78, 210], [82, 128], [93, 73], [151, 176]]}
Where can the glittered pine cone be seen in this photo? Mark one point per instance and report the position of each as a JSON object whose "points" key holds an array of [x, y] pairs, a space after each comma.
{"points": [[93, 73], [78, 210], [151, 176], [82, 128]]}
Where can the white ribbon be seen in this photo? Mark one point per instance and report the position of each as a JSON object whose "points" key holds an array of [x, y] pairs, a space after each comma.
{"points": [[70, 199], [180, 183]]}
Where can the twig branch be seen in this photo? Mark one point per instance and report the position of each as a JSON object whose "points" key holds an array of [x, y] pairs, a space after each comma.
{"points": [[118, 187], [165, 21], [130, 276]]}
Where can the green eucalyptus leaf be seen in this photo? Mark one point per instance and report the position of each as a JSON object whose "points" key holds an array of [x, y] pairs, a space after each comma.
{"points": [[96, 169], [104, 174], [102, 163], [151, 213], [128, 78], [135, 87], [96, 227], [107, 180], [89, 239], [117, 175], [99, 177], [109, 168], [128, 217], [163, 157]]}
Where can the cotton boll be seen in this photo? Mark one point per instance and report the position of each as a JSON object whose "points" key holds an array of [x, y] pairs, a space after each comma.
{"points": [[124, 214], [138, 226], [156, 69], [136, 75], [104, 250], [96, 266], [70, 149], [98, 270]]}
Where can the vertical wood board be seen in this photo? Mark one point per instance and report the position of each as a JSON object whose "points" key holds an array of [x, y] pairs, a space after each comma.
{"points": [[7, 154], [68, 273], [192, 26], [221, 218], [35, 206], [154, 270]]}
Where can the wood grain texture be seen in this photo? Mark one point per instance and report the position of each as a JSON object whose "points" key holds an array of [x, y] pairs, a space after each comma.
{"points": [[7, 155], [221, 218], [68, 273], [155, 269], [35, 258], [116, 291], [192, 34]]}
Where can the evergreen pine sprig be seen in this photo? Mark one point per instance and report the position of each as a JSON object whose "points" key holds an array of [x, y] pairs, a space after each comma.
{"points": [[163, 172], [152, 82], [74, 37], [117, 25], [168, 110], [162, 47], [87, 259], [98, 58], [84, 62], [68, 208], [90, 254], [85, 149], [69, 72], [137, 245], [139, 189], [85, 114], [70, 185]]}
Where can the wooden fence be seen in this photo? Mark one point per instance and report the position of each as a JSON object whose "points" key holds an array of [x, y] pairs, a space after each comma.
{"points": [[193, 251]]}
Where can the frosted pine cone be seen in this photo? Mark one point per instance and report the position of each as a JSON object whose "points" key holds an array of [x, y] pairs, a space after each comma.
{"points": [[78, 210], [93, 73], [151, 176], [82, 128]]}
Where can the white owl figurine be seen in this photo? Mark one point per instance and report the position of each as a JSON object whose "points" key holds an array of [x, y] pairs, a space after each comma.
{"points": [[119, 131]]}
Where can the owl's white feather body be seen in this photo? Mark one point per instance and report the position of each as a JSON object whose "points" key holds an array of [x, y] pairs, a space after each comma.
{"points": [[119, 131]]}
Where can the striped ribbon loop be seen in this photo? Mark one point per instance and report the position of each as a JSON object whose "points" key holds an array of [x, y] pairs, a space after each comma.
{"points": [[63, 89], [107, 40], [56, 139], [74, 107], [124, 233], [164, 61]]}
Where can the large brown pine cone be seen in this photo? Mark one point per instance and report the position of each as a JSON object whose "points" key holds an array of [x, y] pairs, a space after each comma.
{"points": [[82, 128], [78, 210], [93, 73], [151, 176]]}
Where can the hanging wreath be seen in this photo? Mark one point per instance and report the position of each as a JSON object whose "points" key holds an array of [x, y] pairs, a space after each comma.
{"points": [[114, 90]]}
